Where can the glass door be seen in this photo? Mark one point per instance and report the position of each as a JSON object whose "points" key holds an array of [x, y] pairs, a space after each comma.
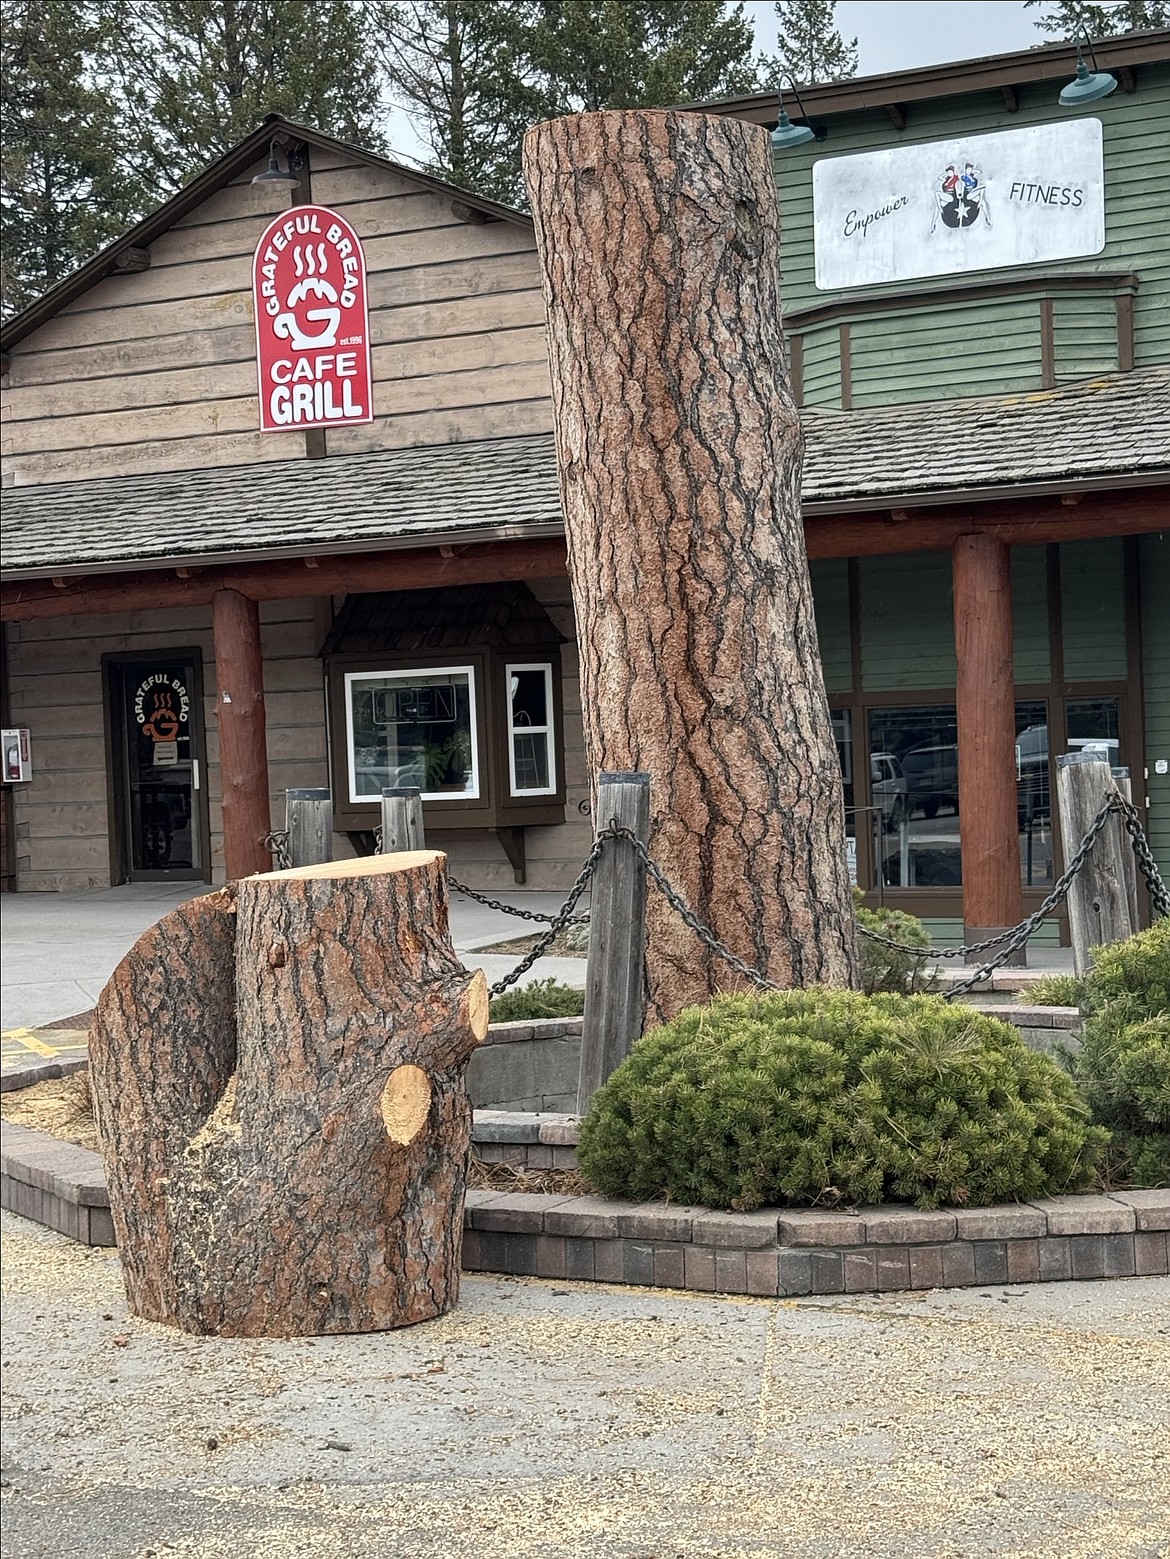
{"points": [[156, 709]]}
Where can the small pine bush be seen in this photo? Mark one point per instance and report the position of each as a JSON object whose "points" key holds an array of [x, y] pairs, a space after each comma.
{"points": [[538, 999], [1123, 1065], [829, 1096], [1058, 990], [882, 968]]}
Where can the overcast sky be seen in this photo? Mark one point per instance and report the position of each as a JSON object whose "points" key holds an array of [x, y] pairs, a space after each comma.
{"points": [[891, 35]]}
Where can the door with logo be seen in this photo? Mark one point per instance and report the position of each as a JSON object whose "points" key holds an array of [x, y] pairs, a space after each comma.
{"points": [[155, 730]]}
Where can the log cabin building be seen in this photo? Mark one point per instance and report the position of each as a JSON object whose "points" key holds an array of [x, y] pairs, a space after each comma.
{"points": [[199, 615]]}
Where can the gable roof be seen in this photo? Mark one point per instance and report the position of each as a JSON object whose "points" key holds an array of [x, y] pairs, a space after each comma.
{"points": [[1107, 432], [213, 178], [1122, 54]]}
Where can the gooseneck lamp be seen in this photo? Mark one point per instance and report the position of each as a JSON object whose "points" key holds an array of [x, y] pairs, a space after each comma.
{"points": [[1089, 85], [274, 176], [786, 134]]}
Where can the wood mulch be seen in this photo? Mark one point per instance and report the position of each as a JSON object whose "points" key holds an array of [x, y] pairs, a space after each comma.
{"points": [[61, 1107]]}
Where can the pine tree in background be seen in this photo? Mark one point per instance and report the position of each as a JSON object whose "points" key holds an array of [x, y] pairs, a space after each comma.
{"points": [[63, 188], [196, 76], [809, 46], [594, 54], [1071, 19], [459, 70]]}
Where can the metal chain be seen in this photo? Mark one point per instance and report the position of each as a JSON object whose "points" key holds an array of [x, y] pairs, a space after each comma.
{"points": [[521, 914], [1155, 882], [276, 843], [683, 910], [559, 922]]}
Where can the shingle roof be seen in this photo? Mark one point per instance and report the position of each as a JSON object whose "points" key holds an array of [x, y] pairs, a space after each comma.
{"points": [[1115, 426]]}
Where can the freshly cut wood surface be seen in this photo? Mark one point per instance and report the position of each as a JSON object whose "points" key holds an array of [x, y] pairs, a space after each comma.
{"points": [[278, 1077]]}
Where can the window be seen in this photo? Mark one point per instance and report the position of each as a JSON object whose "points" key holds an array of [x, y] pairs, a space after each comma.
{"points": [[412, 728], [531, 764]]}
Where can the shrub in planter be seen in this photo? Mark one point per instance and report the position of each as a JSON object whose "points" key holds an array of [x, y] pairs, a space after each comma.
{"points": [[831, 1096], [1123, 1065], [538, 999], [883, 968]]}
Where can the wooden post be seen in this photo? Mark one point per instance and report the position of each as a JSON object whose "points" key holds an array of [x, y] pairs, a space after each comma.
{"points": [[308, 817], [243, 749], [1098, 901], [989, 832], [615, 975], [679, 448], [402, 819]]}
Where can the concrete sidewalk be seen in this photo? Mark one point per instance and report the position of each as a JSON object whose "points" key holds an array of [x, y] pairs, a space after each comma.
{"points": [[60, 948]]}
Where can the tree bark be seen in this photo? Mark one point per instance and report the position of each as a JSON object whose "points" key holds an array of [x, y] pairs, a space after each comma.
{"points": [[278, 1079], [680, 455]]}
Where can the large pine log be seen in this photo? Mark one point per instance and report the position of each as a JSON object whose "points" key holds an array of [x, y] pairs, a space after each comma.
{"points": [[278, 1079], [680, 454]]}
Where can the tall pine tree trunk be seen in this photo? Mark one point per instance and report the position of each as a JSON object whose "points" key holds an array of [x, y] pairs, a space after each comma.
{"points": [[680, 455]]}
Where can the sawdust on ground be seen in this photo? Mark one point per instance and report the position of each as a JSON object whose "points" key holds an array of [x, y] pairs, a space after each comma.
{"points": [[61, 1107]]}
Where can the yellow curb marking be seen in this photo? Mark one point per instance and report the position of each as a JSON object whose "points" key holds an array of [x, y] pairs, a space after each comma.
{"points": [[29, 1041]]}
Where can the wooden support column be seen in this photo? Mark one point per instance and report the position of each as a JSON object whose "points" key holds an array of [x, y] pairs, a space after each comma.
{"points": [[243, 749], [985, 699]]}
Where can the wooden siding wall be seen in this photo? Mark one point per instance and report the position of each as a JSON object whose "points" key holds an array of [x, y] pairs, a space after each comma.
{"points": [[950, 349], [155, 371], [1155, 597], [1092, 610], [62, 820]]}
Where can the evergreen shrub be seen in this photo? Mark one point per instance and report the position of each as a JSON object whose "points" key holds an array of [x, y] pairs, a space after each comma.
{"points": [[538, 999], [820, 1096], [882, 968], [1123, 1065]]}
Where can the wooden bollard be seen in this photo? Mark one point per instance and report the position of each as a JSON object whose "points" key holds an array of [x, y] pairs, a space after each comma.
{"points": [[402, 819], [1099, 898], [615, 979], [308, 816]]}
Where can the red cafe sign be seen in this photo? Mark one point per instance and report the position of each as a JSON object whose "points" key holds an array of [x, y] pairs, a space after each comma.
{"points": [[312, 323]]}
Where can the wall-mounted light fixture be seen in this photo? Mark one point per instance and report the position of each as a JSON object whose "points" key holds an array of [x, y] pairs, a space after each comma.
{"points": [[1089, 85], [274, 176], [786, 134]]}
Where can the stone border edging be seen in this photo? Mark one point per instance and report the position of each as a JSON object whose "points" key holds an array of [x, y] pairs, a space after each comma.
{"points": [[771, 1253]]}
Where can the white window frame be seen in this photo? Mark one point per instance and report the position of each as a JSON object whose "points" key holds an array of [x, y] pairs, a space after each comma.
{"points": [[545, 730], [395, 674]]}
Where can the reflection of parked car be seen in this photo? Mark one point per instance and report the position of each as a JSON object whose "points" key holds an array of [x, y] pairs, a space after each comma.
{"points": [[888, 786], [1032, 791], [932, 779]]}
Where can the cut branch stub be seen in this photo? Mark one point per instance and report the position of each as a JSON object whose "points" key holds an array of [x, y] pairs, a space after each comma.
{"points": [[278, 1076]]}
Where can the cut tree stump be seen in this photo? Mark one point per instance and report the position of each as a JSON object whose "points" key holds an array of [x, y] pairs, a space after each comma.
{"points": [[278, 1080]]}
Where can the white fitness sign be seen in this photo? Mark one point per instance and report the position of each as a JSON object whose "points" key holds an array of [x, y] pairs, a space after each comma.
{"points": [[973, 203]]}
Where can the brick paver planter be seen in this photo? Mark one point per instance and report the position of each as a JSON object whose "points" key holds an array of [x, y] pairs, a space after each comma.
{"points": [[775, 1251]]}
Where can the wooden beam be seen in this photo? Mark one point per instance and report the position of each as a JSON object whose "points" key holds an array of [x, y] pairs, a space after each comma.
{"points": [[128, 262], [1126, 79], [1125, 331], [897, 113], [416, 568], [1010, 101], [845, 351], [243, 749], [1024, 523], [462, 212], [985, 706]]}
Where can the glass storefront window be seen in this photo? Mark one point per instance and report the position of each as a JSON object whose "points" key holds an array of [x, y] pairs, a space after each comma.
{"points": [[530, 755], [412, 728], [1094, 725], [843, 736], [914, 757], [1033, 795]]}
